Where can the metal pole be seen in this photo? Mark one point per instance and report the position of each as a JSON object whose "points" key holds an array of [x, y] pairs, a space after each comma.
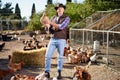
{"points": [[1, 26], [70, 36], [87, 38], [103, 34], [92, 37], [8, 28], [107, 49], [83, 38]]}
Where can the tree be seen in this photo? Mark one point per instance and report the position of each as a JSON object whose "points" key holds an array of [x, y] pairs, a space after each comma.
{"points": [[17, 24], [69, 0], [17, 12], [33, 12], [0, 7], [5, 14], [7, 10], [49, 1], [0, 4]]}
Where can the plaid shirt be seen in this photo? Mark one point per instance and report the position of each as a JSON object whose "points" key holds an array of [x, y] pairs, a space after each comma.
{"points": [[64, 23]]}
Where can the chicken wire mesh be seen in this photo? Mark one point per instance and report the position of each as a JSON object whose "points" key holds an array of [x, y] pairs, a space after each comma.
{"points": [[105, 42]]}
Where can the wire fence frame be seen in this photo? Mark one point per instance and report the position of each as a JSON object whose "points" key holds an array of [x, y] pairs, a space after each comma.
{"points": [[90, 30], [8, 22]]}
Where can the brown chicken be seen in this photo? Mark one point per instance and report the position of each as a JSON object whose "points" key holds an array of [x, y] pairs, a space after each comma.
{"points": [[44, 19], [4, 73], [16, 66], [66, 51], [84, 59], [81, 74]]}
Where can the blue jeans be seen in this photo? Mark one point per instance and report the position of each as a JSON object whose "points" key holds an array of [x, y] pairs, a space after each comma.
{"points": [[58, 44]]}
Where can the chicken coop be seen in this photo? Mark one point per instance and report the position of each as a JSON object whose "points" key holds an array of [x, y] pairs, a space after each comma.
{"points": [[101, 35]]}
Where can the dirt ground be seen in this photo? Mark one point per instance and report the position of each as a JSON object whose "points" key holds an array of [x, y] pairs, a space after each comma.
{"points": [[98, 71]]}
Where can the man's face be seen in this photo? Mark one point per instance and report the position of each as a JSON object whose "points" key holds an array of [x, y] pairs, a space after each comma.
{"points": [[60, 10]]}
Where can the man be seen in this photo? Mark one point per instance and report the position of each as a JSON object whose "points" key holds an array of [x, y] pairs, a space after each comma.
{"points": [[58, 28]]}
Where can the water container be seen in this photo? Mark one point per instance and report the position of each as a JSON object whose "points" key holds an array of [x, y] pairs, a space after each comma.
{"points": [[96, 46]]}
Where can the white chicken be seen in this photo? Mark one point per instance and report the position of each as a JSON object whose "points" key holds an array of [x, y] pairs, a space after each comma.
{"points": [[75, 78], [93, 58], [41, 77], [54, 78]]}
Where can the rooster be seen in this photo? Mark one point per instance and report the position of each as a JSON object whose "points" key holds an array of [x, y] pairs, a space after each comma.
{"points": [[16, 66], [4, 73], [2, 45]]}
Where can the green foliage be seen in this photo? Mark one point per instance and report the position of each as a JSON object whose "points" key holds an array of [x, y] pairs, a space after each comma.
{"points": [[81, 24], [78, 12], [74, 11], [103, 5], [50, 11], [34, 23]]}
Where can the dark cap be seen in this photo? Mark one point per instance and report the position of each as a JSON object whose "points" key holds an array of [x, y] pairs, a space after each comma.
{"points": [[60, 5]]}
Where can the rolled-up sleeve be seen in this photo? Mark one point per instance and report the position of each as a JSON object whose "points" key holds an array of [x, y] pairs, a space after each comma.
{"points": [[64, 23]]}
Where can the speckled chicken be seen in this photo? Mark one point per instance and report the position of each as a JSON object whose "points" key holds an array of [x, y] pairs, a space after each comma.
{"points": [[41, 77], [22, 77]]}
